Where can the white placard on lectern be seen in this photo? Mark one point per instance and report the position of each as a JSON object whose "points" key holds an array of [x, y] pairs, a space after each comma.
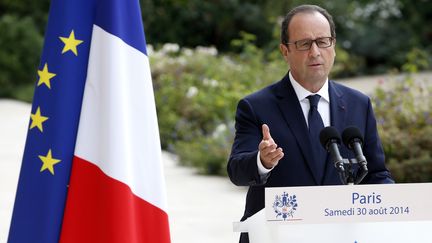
{"points": [[342, 204], [394, 213]]}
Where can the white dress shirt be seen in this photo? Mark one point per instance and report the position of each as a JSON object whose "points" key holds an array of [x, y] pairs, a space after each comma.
{"points": [[302, 94]]}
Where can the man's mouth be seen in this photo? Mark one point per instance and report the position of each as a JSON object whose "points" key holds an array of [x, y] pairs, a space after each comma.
{"points": [[315, 64]]}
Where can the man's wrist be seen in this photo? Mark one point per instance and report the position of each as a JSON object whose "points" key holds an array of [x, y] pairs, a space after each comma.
{"points": [[261, 169]]}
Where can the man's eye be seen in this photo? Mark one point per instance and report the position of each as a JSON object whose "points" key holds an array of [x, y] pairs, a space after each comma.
{"points": [[304, 43]]}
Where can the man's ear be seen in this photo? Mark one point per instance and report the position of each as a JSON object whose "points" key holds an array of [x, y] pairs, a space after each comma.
{"points": [[284, 50]]}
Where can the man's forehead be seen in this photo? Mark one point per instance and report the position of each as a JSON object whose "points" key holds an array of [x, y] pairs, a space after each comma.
{"points": [[309, 22]]}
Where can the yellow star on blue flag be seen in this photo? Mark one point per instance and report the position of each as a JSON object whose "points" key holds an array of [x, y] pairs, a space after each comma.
{"points": [[37, 120], [45, 76], [70, 43], [48, 162]]}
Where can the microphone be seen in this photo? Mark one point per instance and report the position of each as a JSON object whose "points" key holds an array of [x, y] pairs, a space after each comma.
{"points": [[353, 139], [330, 139]]}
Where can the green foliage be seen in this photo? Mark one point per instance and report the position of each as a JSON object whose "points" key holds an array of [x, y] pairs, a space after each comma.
{"points": [[210, 23], [346, 65], [35, 10], [21, 46], [405, 125], [22, 25], [382, 32], [207, 153], [416, 60]]}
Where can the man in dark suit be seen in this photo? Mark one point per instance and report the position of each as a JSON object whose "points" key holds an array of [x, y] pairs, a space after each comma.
{"points": [[274, 143]]}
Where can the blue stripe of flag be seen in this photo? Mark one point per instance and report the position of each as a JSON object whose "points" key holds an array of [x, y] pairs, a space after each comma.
{"points": [[122, 19]]}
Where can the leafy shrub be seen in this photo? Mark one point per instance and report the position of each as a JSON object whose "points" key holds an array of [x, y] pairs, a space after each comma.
{"points": [[405, 124], [208, 153], [21, 46]]}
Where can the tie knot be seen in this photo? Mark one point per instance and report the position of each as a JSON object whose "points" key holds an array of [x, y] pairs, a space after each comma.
{"points": [[313, 100]]}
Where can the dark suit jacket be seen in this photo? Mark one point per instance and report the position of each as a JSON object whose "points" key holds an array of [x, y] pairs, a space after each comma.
{"points": [[277, 106]]}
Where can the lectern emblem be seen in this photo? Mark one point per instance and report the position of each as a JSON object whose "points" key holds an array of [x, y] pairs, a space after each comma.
{"points": [[285, 206]]}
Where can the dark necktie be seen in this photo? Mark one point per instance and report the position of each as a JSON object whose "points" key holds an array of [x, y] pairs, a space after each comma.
{"points": [[315, 126]]}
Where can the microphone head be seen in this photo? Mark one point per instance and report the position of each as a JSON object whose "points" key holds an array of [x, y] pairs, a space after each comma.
{"points": [[327, 135], [351, 134]]}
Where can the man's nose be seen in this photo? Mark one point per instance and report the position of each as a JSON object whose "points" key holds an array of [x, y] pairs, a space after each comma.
{"points": [[314, 50]]}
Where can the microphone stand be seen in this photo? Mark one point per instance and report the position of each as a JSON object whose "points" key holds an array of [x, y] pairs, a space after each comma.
{"points": [[346, 171]]}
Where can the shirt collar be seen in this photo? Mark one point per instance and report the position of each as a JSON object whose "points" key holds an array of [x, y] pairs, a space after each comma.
{"points": [[302, 93]]}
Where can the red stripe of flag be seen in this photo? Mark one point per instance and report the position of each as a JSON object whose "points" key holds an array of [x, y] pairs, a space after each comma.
{"points": [[102, 209]]}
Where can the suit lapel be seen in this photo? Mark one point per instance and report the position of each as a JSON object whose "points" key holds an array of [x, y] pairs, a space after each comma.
{"points": [[337, 107], [292, 112]]}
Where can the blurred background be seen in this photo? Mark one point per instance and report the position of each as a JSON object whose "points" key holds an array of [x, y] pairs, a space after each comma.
{"points": [[206, 55]]}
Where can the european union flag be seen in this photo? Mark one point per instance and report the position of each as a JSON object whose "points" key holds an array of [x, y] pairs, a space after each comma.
{"points": [[49, 150]]}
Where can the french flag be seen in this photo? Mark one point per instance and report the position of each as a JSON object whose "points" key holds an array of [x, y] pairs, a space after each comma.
{"points": [[92, 169]]}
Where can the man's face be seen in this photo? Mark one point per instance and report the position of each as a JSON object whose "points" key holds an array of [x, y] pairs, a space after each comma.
{"points": [[312, 66]]}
